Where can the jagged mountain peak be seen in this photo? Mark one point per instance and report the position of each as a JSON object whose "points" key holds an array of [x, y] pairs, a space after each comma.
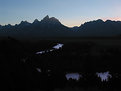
{"points": [[54, 19], [24, 23], [36, 21], [9, 25], [46, 18], [50, 20], [100, 20]]}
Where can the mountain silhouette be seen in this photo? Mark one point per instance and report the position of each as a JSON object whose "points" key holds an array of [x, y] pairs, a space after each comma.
{"points": [[0, 26], [50, 27], [47, 27], [36, 21], [100, 28]]}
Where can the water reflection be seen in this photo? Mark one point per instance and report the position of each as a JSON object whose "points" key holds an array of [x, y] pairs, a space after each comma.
{"points": [[41, 52], [38, 69], [74, 76], [58, 46], [104, 76]]}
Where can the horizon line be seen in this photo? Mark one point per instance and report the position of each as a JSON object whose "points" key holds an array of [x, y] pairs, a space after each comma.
{"points": [[104, 20]]}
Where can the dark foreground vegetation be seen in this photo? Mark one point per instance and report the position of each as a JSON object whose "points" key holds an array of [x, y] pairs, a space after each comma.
{"points": [[19, 64]]}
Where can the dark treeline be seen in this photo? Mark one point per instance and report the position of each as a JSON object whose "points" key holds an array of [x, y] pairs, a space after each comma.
{"points": [[19, 64]]}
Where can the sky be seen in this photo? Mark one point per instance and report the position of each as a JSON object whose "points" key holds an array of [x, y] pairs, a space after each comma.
{"points": [[69, 12]]}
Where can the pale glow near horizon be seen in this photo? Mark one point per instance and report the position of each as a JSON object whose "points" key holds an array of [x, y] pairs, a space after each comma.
{"points": [[73, 13], [70, 23]]}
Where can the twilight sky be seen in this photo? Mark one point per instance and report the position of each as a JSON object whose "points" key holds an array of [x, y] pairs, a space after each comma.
{"points": [[69, 12]]}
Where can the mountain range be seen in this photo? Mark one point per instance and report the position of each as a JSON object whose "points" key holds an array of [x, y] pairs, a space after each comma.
{"points": [[53, 28]]}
